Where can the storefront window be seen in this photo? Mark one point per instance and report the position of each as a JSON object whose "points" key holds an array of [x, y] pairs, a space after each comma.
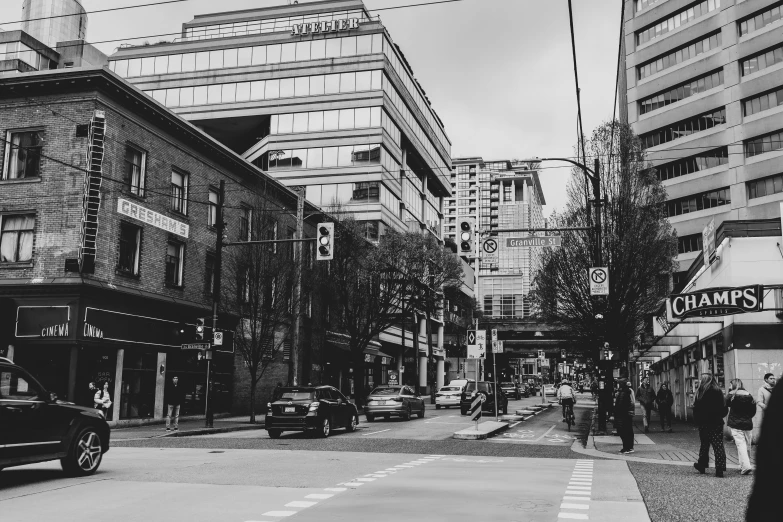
{"points": [[138, 385]]}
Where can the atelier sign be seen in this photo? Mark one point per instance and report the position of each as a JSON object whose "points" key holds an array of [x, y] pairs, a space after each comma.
{"points": [[330, 26], [717, 301], [145, 215]]}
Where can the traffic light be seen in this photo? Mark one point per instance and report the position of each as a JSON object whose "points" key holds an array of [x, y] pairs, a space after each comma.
{"points": [[325, 245], [467, 235], [200, 328]]}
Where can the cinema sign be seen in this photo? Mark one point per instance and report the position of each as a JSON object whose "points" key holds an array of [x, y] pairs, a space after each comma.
{"points": [[717, 301]]}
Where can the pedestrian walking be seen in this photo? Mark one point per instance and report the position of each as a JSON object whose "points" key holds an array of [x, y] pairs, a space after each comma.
{"points": [[106, 399], [175, 396], [709, 409], [665, 400], [764, 501], [742, 408], [623, 415], [594, 388], [95, 402], [765, 391], [646, 397]]}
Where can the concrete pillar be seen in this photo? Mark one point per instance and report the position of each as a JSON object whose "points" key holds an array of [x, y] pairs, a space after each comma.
{"points": [[10, 354], [440, 373], [423, 372], [74, 361], [160, 385], [117, 399]]}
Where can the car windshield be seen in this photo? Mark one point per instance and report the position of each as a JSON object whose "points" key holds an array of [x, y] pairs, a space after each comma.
{"points": [[450, 388], [385, 391], [296, 395], [507, 384]]}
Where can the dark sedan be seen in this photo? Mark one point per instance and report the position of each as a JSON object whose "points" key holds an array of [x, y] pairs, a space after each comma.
{"points": [[512, 389], [318, 409], [485, 391], [36, 427], [398, 401]]}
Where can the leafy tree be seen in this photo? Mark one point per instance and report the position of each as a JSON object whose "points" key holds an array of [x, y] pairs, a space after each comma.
{"points": [[638, 245]]}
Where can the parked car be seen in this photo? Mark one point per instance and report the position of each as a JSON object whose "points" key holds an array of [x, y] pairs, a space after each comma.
{"points": [[550, 389], [485, 390], [448, 396], [399, 401], [36, 427], [318, 409], [511, 389]]}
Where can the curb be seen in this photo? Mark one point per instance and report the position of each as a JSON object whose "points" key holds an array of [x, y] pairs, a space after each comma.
{"points": [[471, 434], [206, 431]]}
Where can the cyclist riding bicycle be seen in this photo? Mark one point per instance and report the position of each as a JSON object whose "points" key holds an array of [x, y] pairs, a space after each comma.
{"points": [[566, 396]]}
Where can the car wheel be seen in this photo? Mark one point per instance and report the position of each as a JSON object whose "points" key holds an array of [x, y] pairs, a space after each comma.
{"points": [[463, 411], [370, 418], [407, 415], [352, 426], [84, 455], [421, 412], [274, 434], [326, 429], [437, 406]]}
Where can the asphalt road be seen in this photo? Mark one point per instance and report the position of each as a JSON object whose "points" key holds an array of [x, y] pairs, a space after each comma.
{"points": [[198, 485]]}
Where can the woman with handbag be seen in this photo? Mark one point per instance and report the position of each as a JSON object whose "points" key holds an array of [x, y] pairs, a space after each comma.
{"points": [[709, 409]]}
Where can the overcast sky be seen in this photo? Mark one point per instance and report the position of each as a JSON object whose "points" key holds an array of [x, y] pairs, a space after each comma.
{"points": [[499, 73]]}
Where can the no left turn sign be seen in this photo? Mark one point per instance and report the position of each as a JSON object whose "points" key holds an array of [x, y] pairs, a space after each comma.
{"points": [[599, 281]]}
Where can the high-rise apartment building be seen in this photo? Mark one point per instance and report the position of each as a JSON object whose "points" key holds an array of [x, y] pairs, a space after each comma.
{"points": [[317, 94], [500, 195], [704, 89]]}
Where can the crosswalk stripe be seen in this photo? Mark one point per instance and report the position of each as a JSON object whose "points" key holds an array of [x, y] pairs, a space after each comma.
{"points": [[279, 513], [574, 506], [301, 504]]}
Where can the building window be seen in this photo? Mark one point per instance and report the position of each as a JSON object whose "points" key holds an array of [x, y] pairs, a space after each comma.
{"points": [[644, 4], [765, 186], [698, 202], [174, 259], [16, 237], [680, 55], [761, 61], [760, 20], [684, 128], [135, 170], [214, 201], [209, 274], [691, 243], [245, 219], [673, 22], [699, 162], [23, 155], [130, 248], [762, 144], [508, 191], [692, 88], [179, 192], [763, 102]]}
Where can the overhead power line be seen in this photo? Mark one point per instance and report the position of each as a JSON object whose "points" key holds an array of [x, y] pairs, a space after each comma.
{"points": [[98, 11]]}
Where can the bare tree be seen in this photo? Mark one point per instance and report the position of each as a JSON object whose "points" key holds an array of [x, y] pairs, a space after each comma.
{"points": [[258, 288], [638, 245]]}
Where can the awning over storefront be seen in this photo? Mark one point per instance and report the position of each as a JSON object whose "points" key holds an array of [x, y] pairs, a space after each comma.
{"points": [[342, 341]]}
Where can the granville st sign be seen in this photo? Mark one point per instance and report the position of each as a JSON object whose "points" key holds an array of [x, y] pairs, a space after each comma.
{"points": [[717, 301]]}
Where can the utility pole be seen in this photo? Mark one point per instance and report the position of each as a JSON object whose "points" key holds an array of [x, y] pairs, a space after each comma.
{"points": [[298, 265], [597, 203], [215, 298]]}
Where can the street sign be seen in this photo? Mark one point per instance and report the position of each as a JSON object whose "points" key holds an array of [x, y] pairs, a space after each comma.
{"points": [[489, 251], [208, 355], [217, 339], [473, 350], [540, 354], [481, 341], [494, 334], [392, 377], [195, 346], [545, 363], [475, 408], [497, 346], [599, 281], [534, 241]]}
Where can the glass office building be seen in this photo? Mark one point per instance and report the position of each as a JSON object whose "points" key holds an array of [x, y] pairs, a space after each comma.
{"points": [[317, 94]]}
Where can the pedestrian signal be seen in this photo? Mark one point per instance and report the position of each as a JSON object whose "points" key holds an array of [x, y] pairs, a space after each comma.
{"points": [[325, 247]]}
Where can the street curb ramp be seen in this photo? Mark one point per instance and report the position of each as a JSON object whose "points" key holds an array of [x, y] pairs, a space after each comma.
{"points": [[485, 429]]}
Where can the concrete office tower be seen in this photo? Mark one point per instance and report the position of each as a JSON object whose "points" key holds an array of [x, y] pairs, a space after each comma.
{"points": [[318, 95], [53, 21], [499, 195], [704, 92]]}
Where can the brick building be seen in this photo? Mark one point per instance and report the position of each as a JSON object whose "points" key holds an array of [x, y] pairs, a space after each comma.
{"points": [[107, 236]]}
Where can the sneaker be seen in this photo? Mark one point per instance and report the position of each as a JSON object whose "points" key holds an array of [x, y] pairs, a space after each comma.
{"points": [[699, 468], [623, 451], [168, 429], [746, 471], [629, 451], [176, 428], [719, 473]]}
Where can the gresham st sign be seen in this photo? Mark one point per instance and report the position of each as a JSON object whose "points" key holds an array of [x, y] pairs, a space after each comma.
{"points": [[717, 301]]}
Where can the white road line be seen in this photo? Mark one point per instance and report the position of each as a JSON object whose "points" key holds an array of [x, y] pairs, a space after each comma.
{"points": [[580, 487], [574, 506], [301, 504], [545, 434], [579, 483], [365, 479], [439, 455], [576, 498], [279, 513], [319, 496], [374, 432], [354, 484], [336, 490], [578, 516], [518, 422]]}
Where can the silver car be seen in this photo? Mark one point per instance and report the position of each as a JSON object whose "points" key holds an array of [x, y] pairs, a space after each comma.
{"points": [[400, 401], [448, 396]]}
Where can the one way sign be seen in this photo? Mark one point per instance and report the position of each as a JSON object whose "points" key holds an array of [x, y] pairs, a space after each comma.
{"points": [[474, 348]]}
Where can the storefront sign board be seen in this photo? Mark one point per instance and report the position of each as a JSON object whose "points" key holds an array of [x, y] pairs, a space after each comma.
{"points": [[708, 242], [329, 26], [717, 302], [43, 322], [145, 215]]}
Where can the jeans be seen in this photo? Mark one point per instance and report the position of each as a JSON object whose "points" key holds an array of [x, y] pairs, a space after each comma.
{"points": [[712, 435], [173, 411], [665, 413], [742, 439], [625, 431], [646, 419]]}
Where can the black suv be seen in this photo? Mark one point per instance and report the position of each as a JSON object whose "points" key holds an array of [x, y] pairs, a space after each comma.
{"points": [[36, 427], [485, 390], [319, 409]]}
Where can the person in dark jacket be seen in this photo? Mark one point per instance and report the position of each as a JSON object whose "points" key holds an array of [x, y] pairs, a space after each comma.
{"points": [[646, 397], [175, 396], [665, 400], [742, 408], [709, 409], [764, 501], [623, 415]]}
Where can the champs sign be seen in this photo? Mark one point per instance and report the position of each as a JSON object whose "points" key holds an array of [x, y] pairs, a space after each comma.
{"points": [[717, 301]]}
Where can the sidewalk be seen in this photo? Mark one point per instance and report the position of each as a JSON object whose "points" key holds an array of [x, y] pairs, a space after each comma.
{"points": [[681, 447], [187, 427]]}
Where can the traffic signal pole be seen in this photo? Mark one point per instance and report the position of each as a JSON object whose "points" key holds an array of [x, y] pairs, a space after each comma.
{"points": [[215, 299]]}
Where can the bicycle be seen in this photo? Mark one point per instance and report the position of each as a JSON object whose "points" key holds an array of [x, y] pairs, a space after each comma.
{"points": [[570, 418]]}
